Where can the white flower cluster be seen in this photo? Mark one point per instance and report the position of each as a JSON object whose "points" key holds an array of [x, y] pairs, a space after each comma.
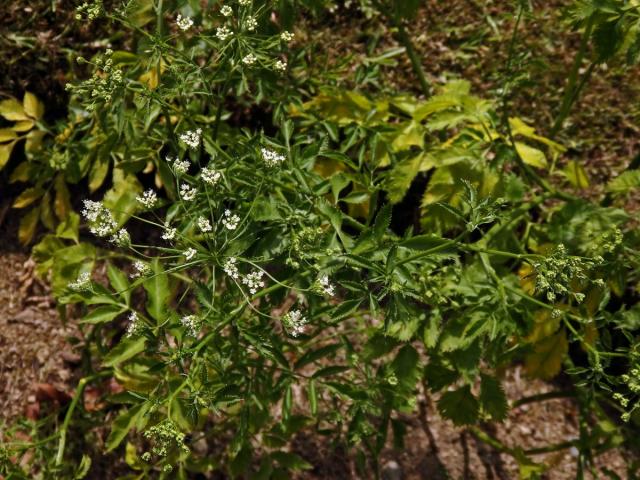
{"points": [[184, 23], [191, 138], [187, 192], [230, 220], [326, 286], [141, 269], [286, 36], [135, 326], [169, 233], [210, 176], [249, 59], [271, 158], [121, 238], [231, 269], [244, 3], [204, 225], [179, 166], [190, 253], [294, 322], [251, 24], [254, 281], [223, 33], [82, 283], [101, 222], [280, 65], [148, 199], [226, 11], [192, 324]]}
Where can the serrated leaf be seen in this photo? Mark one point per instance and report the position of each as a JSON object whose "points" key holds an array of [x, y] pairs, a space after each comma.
{"points": [[383, 220], [624, 182], [12, 110], [119, 282], [459, 406], [425, 242], [546, 359], [32, 106], [492, 398]]}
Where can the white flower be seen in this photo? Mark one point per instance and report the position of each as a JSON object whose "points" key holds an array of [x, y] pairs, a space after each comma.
{"points": [[325, 286], [121, 238], [294, 322], [210, 176], [254, 281], [204, 225], [148, 199], [280, 65], [179, 166], [192, 324], [191, 138], [141, 269], [251, 24], [184, 23], [230, 220], [169, 233], [187, 192], [135, 326], [226, 11], [244, 3], [101, 222], [82, 283], [286, 36], [189, 253], [223, 33], [230, 268], [249, 59], [271, 158]]}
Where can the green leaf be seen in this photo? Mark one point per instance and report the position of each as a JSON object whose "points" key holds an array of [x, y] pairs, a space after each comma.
{"points": [[128, 348], [121, 199], [329, 371], [407, 367], [158, 293], [425, 242], [27, 197], [32, 106], [459, 406], [7, 134], [103, 314], [383, 220], [492, 398], [438, 376], [624, 182], [291, 461], [314, 355], [401, 177], [531, 156], [83, 468], [576, 175], [119, 282], [123, 424]]}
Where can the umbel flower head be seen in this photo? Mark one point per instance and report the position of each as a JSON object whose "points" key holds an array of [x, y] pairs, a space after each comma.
{"points": [[230, 220], [148, 199], [184, 23], [82, 283], [101, 222], [191, 138], [294, 321], [271, 158]]}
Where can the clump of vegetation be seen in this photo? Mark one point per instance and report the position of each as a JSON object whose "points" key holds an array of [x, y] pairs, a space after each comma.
{"points": [[278, 260]]}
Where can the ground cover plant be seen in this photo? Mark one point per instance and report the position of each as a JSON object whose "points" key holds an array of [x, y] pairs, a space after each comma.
{"points": [[253, 248]]}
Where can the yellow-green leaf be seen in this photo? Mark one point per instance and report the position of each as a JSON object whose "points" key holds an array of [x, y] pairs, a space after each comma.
{"points": [[34, 141], [21, 173], [546, 359], [28, 224], [22, 126], [11, 109], [27, 197], [32, 106], [46, 214], [62, 203], [7, 134], [576, 175], [5, 153], [531, 156]]}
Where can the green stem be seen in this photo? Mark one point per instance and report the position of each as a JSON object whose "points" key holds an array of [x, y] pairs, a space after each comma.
{"points": [[541, 397], [405, 39], [67, 418], [570, 92]]}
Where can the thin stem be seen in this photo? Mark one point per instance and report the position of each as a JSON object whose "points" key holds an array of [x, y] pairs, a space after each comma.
{"points": [[542, 397]]}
